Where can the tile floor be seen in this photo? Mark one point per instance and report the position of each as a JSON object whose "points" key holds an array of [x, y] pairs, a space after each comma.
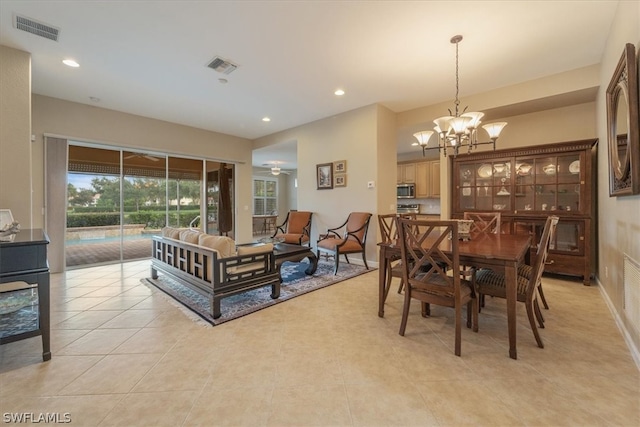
{"points": [[124, 356]]}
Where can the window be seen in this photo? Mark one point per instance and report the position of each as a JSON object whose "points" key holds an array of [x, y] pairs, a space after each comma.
{"points": [[265, 196]]}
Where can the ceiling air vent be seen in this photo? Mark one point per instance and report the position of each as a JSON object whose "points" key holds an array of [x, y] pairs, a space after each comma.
{"points": [[38, 28], [222, 65]]}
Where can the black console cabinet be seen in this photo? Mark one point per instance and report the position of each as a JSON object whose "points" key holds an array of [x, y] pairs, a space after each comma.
{"points": [[23, 260]]}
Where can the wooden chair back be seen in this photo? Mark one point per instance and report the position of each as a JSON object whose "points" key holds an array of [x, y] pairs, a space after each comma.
{"points": [[388, 224], [484, 222], [548, 235], [418, 249]]}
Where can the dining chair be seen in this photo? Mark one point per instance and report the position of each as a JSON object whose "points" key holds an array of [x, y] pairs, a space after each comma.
{"points": [[484, 222], [488, 282], [296, 228], [525, 270], [435, 286], [353, 239], [388, 224]]}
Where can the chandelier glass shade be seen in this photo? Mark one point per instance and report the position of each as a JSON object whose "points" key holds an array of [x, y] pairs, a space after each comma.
{"points": [[275, 171], [458, 129]]}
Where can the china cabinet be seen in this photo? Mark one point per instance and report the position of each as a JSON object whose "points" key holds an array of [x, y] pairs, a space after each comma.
{"points": [[528, 184]]}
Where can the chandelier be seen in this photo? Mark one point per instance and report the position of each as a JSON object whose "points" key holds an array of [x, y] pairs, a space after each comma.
{"points": [[458, 129]]}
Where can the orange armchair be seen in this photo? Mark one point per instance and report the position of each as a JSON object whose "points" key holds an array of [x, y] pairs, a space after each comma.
{"points": [[353, 241], [296, 228]]}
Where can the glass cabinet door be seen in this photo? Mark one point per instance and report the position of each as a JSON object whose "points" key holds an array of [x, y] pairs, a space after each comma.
{"points": [[485, 186], [550, 183], [569, 236], [524, 185]]}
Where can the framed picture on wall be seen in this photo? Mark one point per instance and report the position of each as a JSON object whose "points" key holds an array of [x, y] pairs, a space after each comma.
{"points": [[340, 180], [340, 166], [324, 176]]}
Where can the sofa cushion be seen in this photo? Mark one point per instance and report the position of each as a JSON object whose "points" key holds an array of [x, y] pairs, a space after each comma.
{"points": [[171, 232], [251, 250], [225, 246], [190, 236], [254, 249]]}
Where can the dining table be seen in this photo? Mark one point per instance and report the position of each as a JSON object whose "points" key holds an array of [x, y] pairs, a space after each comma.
{"points": [[265, 221], [499, 252]]}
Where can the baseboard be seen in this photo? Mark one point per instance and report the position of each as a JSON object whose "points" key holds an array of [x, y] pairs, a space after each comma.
{"points": [[635, 351]]}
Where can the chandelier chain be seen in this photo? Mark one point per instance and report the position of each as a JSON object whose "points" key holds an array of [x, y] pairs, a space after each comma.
{"points": [[457, 101]]}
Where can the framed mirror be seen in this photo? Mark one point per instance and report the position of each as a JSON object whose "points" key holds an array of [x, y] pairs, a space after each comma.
{"points": [[622, 126]]}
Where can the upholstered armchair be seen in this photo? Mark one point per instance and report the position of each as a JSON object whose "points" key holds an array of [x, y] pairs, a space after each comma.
{"points": [[296, 228], [352, 241]]}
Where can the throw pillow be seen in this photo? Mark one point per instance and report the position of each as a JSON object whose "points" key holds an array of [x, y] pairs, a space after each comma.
{"points": [[225, 246]]}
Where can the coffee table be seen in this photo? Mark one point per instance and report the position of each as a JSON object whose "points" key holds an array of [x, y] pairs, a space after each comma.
{"points": [[294, 253]]}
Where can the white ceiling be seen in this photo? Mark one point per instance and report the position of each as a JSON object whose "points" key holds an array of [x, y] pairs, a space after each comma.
{"points": [[149, 57]]}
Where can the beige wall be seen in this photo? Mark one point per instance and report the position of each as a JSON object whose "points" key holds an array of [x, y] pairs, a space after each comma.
{"points": [[15, 132], [351, 136], [618, 219]]}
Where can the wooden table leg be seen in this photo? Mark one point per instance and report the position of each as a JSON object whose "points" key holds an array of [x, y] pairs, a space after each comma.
{"points": [[510, 275]]}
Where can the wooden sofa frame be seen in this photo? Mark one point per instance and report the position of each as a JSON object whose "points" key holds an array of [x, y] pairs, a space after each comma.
{"points": [[204, 271]]}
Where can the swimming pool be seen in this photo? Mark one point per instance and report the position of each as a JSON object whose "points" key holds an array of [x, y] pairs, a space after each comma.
{"points": [[110, 239]]}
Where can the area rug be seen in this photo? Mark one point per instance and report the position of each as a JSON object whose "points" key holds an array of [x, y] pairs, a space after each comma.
{"points": [[294, 283]]}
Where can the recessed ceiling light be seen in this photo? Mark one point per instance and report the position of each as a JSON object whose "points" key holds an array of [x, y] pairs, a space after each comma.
{"points": [[266, 119], [70, 63], [339, 92], [94, 98], [223, 81]]}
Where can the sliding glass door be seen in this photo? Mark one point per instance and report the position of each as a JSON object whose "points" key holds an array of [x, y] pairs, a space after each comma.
{"points": [[116, 200], [93, 231], [144, 195]]}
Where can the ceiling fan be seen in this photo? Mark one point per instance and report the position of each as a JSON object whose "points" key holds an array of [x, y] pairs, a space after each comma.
{"points": [[275, 169], [143, 156]]}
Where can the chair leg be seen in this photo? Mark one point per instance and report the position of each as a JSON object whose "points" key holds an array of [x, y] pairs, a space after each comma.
{"points": [[425, 309], [337, 257], [542, 298], [401, 286], [474, 314], [532, 322], [387, 284], [364, 259], [536, 308], [405, 311], [346, 258], [458, 329]]}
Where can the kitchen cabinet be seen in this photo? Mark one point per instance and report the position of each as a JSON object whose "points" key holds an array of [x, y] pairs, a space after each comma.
{"points": [[406, 173], [422, 183], [425, 175], [434, 178], [528, 184]]}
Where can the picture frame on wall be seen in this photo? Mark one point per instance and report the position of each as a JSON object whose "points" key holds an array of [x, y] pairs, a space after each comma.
{"points": [[340, 166], [324, 176], [340, 180]]}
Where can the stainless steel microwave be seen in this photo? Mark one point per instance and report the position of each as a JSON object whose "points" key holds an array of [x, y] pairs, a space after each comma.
{"points": [[406, 191]]}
